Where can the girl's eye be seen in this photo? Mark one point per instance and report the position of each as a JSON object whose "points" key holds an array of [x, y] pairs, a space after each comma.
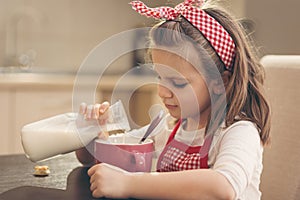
{"points": [[179, 85], [174, 82]]}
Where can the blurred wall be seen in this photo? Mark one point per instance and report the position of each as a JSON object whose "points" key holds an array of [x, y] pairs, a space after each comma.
{"points": [[276, 25], [60, 32], [236, 7]]}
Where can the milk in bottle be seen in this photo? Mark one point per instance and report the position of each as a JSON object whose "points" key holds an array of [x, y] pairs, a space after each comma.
{"points": [[67, 132]]}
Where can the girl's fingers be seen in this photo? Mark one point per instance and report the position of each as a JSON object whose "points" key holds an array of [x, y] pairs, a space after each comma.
{"points": [[82, 108], [95, 191], [93, 181], [89, 111], [92, 111], [97, 194], [103, 107], [93, 186], [95, 111], [103, 117], [92, 170]]}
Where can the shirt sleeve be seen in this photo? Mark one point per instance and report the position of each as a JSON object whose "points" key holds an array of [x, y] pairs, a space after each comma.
{"points": [[240, 150]]}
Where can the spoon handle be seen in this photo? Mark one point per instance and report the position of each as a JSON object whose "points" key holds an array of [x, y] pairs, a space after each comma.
{"points": [[152, 126]]}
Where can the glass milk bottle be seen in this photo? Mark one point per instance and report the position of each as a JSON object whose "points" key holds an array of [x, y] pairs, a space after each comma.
{"points": [[67, 132]]}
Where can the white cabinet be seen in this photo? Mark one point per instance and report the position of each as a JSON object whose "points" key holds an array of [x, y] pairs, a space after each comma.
{"points": [[6, 121], [34, 105], [23, 106]]}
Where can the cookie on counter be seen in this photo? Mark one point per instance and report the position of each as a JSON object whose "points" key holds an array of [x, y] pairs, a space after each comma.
{"points": [[41, 170]]}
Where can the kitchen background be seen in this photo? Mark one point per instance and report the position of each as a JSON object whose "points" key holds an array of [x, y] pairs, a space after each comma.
{"points": [[58, 34], [49, 39]]}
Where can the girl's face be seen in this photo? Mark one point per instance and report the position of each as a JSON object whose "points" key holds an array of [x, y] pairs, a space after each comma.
{"points": [[181, 87]]}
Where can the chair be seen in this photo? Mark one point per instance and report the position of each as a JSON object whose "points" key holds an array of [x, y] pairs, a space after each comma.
{"points": [[281, 173]]}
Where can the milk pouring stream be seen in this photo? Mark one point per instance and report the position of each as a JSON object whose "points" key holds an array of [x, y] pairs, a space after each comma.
{"points": [[67, 132]]}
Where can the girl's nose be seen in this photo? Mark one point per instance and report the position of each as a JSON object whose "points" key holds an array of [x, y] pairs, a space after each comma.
{"points": [[164, 92]]}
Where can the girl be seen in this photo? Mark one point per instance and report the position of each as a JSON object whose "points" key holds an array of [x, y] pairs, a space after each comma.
{"points": [[212, 83]]}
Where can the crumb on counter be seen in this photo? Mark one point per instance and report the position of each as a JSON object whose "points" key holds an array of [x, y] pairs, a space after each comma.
{"points": [[41, 170]]}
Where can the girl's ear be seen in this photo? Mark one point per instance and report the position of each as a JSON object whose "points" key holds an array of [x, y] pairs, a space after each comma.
{"points": [[219, 86]]}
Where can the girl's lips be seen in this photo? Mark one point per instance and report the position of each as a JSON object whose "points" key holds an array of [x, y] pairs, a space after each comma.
{"points": [[168, 106]]}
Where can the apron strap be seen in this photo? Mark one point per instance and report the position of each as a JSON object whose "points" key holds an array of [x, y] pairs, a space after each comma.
{"points": [[173, 133], [206, 146]]}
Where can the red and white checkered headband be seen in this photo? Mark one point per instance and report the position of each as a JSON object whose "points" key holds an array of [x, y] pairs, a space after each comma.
{"points": [[212, 30]]}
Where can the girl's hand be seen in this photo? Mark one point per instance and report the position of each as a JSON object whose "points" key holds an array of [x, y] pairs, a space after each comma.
{"points": [[94, 112], [109, 181]]}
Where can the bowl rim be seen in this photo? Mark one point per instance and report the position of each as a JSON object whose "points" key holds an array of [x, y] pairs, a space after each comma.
{"points": [[107, 141]]}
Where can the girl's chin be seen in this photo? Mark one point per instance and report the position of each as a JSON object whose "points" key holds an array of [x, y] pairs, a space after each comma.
{"points": [[178, 115], [175, 113]]}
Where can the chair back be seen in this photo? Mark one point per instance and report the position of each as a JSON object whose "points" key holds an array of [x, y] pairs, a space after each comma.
{"points": [[281, 173]]}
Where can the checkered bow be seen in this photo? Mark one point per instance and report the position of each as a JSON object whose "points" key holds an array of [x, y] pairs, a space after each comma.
{"points": [[213, 31]]}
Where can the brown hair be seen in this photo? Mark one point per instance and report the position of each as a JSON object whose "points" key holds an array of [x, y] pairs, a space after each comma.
{"points": [[244, 98]]}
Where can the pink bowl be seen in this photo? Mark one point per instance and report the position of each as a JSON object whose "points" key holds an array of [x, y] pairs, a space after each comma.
{"points": [[124, 151]]}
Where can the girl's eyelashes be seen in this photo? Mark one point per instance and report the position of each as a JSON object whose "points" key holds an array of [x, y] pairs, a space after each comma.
{"points": [[178, 83]]}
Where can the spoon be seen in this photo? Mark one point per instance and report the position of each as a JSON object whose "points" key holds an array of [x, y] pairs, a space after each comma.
{"points": [[152, 125]]}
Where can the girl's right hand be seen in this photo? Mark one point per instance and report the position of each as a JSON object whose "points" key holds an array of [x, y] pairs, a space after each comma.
{"points": [[95, 112]]}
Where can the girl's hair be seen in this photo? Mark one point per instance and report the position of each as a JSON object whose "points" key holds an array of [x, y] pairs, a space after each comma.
{"points": [[244, 93]]}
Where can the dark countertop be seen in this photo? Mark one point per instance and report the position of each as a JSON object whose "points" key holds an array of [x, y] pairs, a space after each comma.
{"points": [[17, 170], [68, 179]]}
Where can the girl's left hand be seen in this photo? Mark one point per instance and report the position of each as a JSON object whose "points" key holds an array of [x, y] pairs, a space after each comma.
{"points": [[109, 181]]}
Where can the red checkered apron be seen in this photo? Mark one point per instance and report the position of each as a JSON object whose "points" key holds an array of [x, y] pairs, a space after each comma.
{"points": [[178, 156]]}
